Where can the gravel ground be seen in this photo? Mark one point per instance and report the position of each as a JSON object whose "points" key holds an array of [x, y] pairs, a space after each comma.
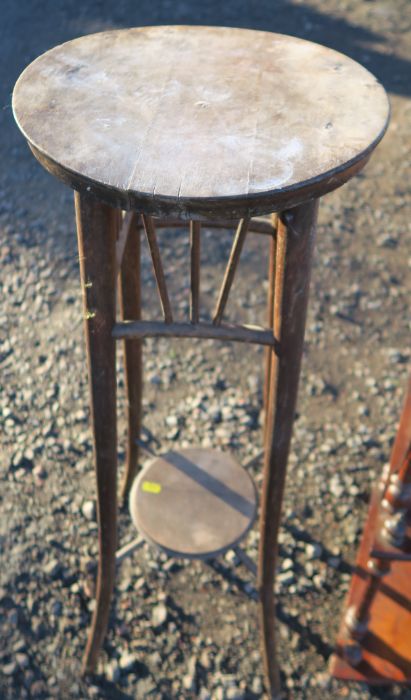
{"points": [[182, 630]]}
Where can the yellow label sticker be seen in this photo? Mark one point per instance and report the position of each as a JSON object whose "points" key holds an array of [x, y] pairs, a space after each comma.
{"points": [[151, 487]]}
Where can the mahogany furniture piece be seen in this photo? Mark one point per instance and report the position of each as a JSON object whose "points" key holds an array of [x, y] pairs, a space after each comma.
{"points": [[374, 640], [201, 125]]}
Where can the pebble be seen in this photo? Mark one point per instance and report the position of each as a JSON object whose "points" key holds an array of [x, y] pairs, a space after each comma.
{"points": [[113, 672], [127, 661], [89, 510], [53, 568], [189, 679], [9, 668], [22, 660], [39, 472], [257, 686], [204, 694], [159, 615], [56, 608], [234, 693], [286, 578], [313, 551], [13, 617]]}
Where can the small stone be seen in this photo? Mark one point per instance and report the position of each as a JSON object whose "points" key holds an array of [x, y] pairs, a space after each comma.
{"points": [[159, 615], [313, 551], [287, 564], [39, 472], [39, 629], [56, 608], [205, 659], [363, 411], [204, 694], [234, 693], [173, 434], [89, 510], [396, 357], [113, 672], [155, 379], [155, 659], [216, 416], [127, 661], [309, 570], [13, 617], [231, 557], [53, 568], [257, 686], [335, 486], [286, 578], [22, 660], [385, 241], [20, 645], [189, 680], [10, 668]]}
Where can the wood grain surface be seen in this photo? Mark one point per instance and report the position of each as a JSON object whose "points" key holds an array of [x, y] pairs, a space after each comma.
{"points": [[194, 503], [196, 121]]}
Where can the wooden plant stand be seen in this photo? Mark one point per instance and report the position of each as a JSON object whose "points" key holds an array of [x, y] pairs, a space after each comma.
{"points": [[199, 126], [374, 642]]}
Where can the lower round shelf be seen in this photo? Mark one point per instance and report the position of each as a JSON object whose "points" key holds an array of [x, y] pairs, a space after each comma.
{"points": [[194, 503]]}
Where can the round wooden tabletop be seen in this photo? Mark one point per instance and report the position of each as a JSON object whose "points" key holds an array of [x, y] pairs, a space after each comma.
{"points": [[200, 121], [194, 503]]}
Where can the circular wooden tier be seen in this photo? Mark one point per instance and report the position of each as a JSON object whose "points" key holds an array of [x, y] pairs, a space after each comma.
{"points": [[194, 503], [200, 122]]}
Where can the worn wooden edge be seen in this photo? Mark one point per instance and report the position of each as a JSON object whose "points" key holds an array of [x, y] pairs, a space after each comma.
{"points": [[159, 329], [255, 225], [206, 208]]}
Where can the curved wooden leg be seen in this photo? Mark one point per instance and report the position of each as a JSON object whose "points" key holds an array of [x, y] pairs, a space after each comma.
{"points": [[130, 303], [295, 239], [270, 307], [96, 228]]}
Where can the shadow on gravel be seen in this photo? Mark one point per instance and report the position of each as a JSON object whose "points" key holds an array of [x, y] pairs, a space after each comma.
{"points": [[307, 636], [63, 21], [111, 691]]}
